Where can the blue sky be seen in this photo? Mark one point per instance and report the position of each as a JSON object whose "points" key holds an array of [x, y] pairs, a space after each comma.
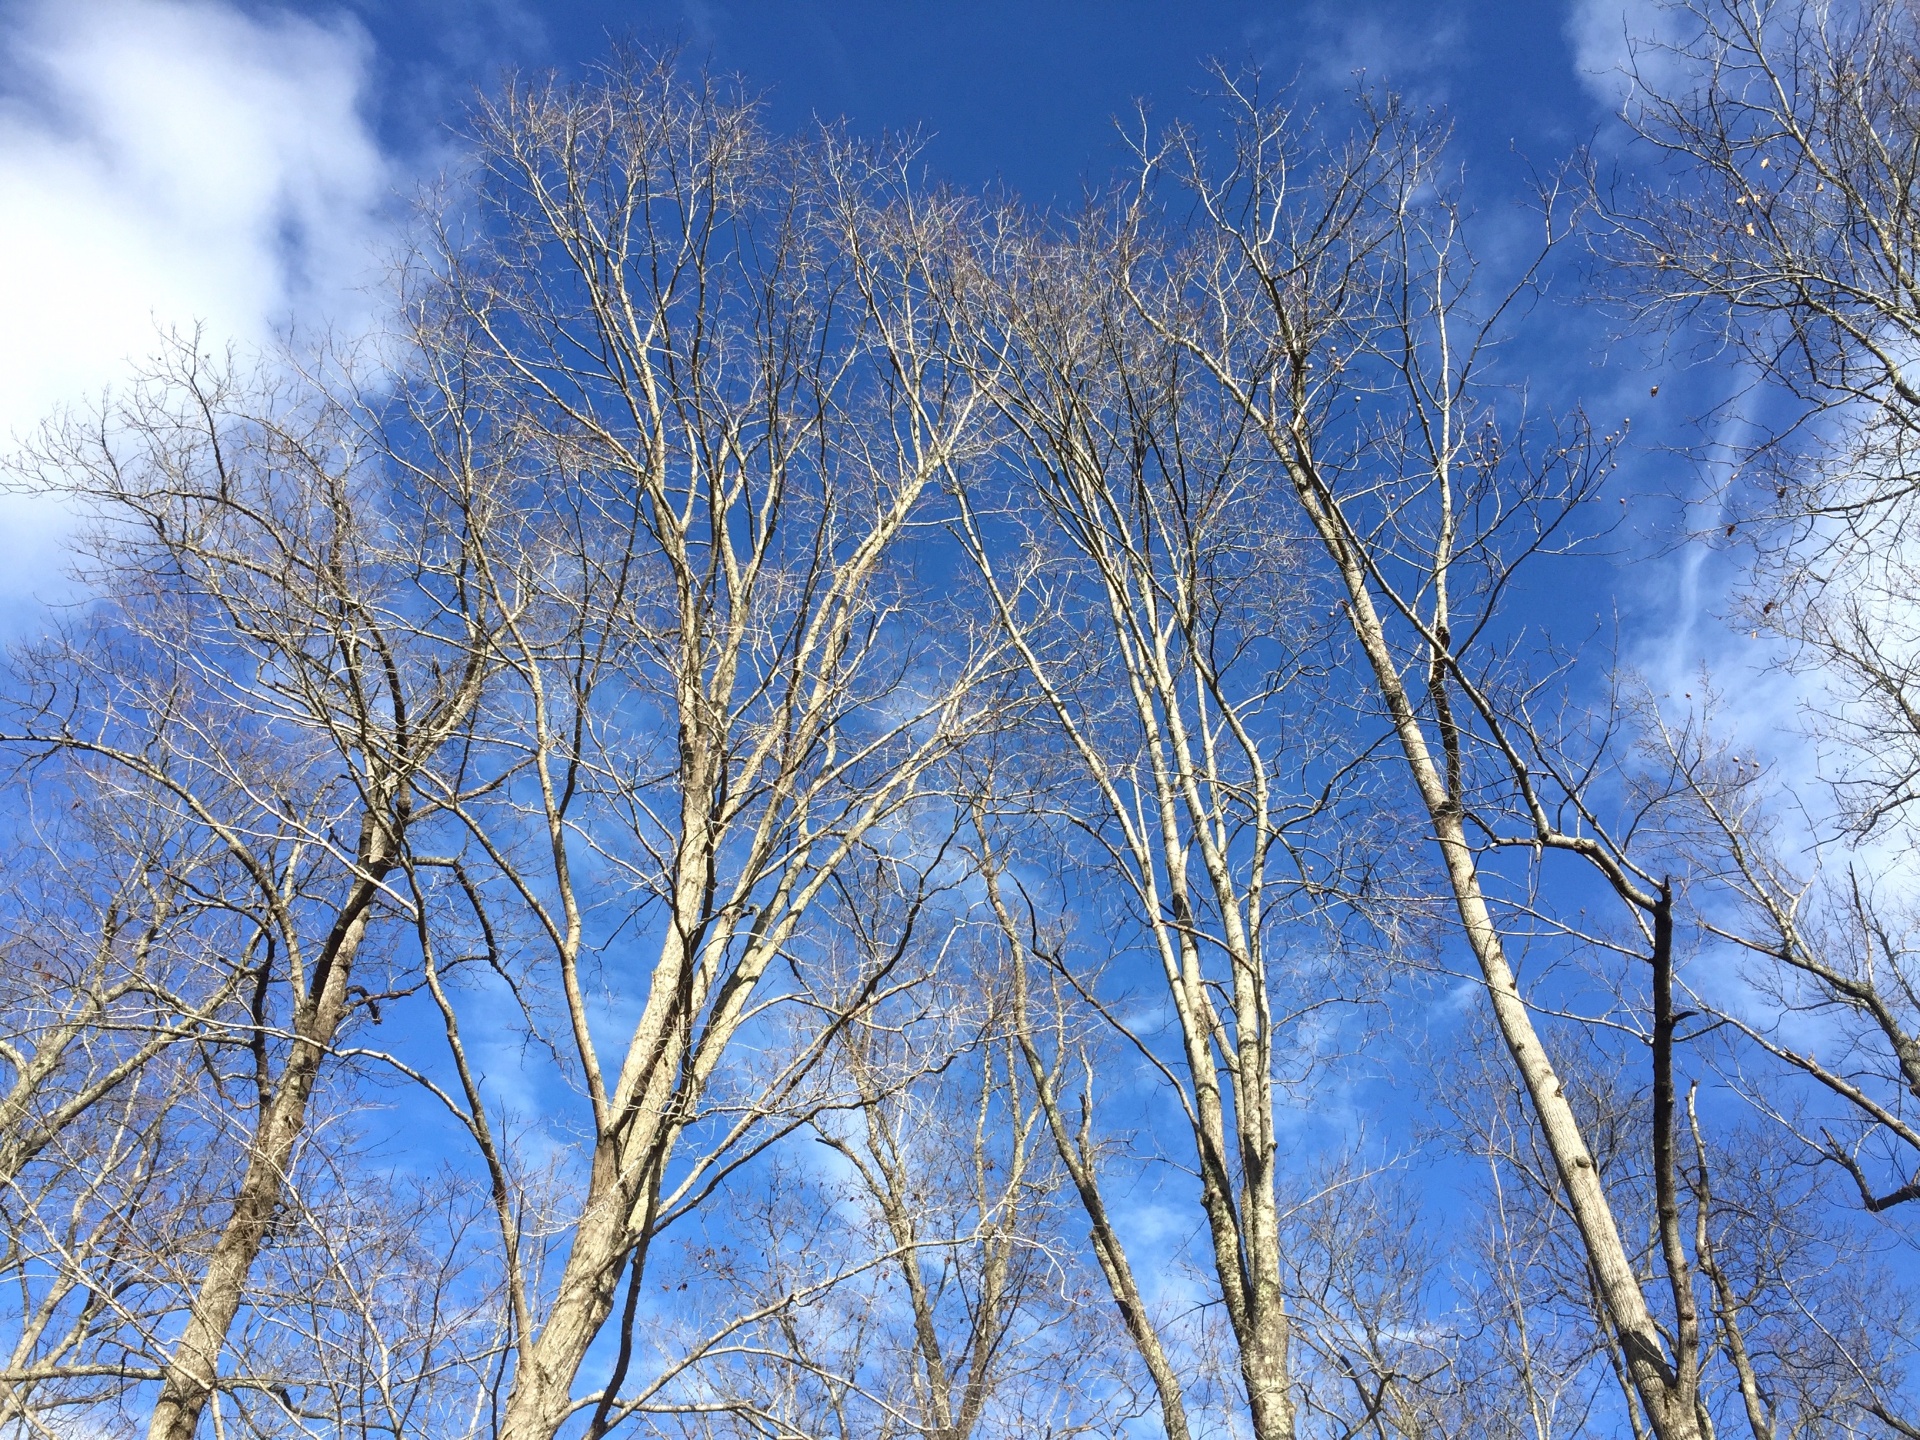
{"points": [[328, 109], [238, 165], [1025, 91]]}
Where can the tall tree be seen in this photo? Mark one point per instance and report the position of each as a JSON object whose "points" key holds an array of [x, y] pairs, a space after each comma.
{"points": [[720, 344], [292, 640], [1139, 569], [1325, 285]]}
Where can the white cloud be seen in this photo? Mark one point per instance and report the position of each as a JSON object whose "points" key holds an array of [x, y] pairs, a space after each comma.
{"points": [[167, 164]]}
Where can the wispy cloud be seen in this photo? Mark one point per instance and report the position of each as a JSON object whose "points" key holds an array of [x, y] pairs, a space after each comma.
{"points": [[1332, 47], [1611, 39]]}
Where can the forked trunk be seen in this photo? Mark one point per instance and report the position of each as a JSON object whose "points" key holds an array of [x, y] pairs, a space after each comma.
{"points": [[543, 1382], [627, 1160]]}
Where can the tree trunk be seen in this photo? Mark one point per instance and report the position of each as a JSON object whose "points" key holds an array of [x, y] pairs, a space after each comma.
{"points": [[195, 1364], [1268, 1336], [1671, 1413], [543, 1381], [628, 1158]]}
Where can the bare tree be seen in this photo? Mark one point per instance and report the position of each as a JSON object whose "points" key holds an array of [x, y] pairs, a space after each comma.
{"points": [[1801, 1330], [375, 1308], [720, 348], [119, 959], [1826, 956], [949, 1147], [1771, 216], [1327, 289], [931, 1292], [104, 969], [1148, 592], [1052, 1054], [593, 681], [292, 642]]}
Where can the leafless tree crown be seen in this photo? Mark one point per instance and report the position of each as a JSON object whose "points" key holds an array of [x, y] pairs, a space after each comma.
{"points": [[807, 805]]}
